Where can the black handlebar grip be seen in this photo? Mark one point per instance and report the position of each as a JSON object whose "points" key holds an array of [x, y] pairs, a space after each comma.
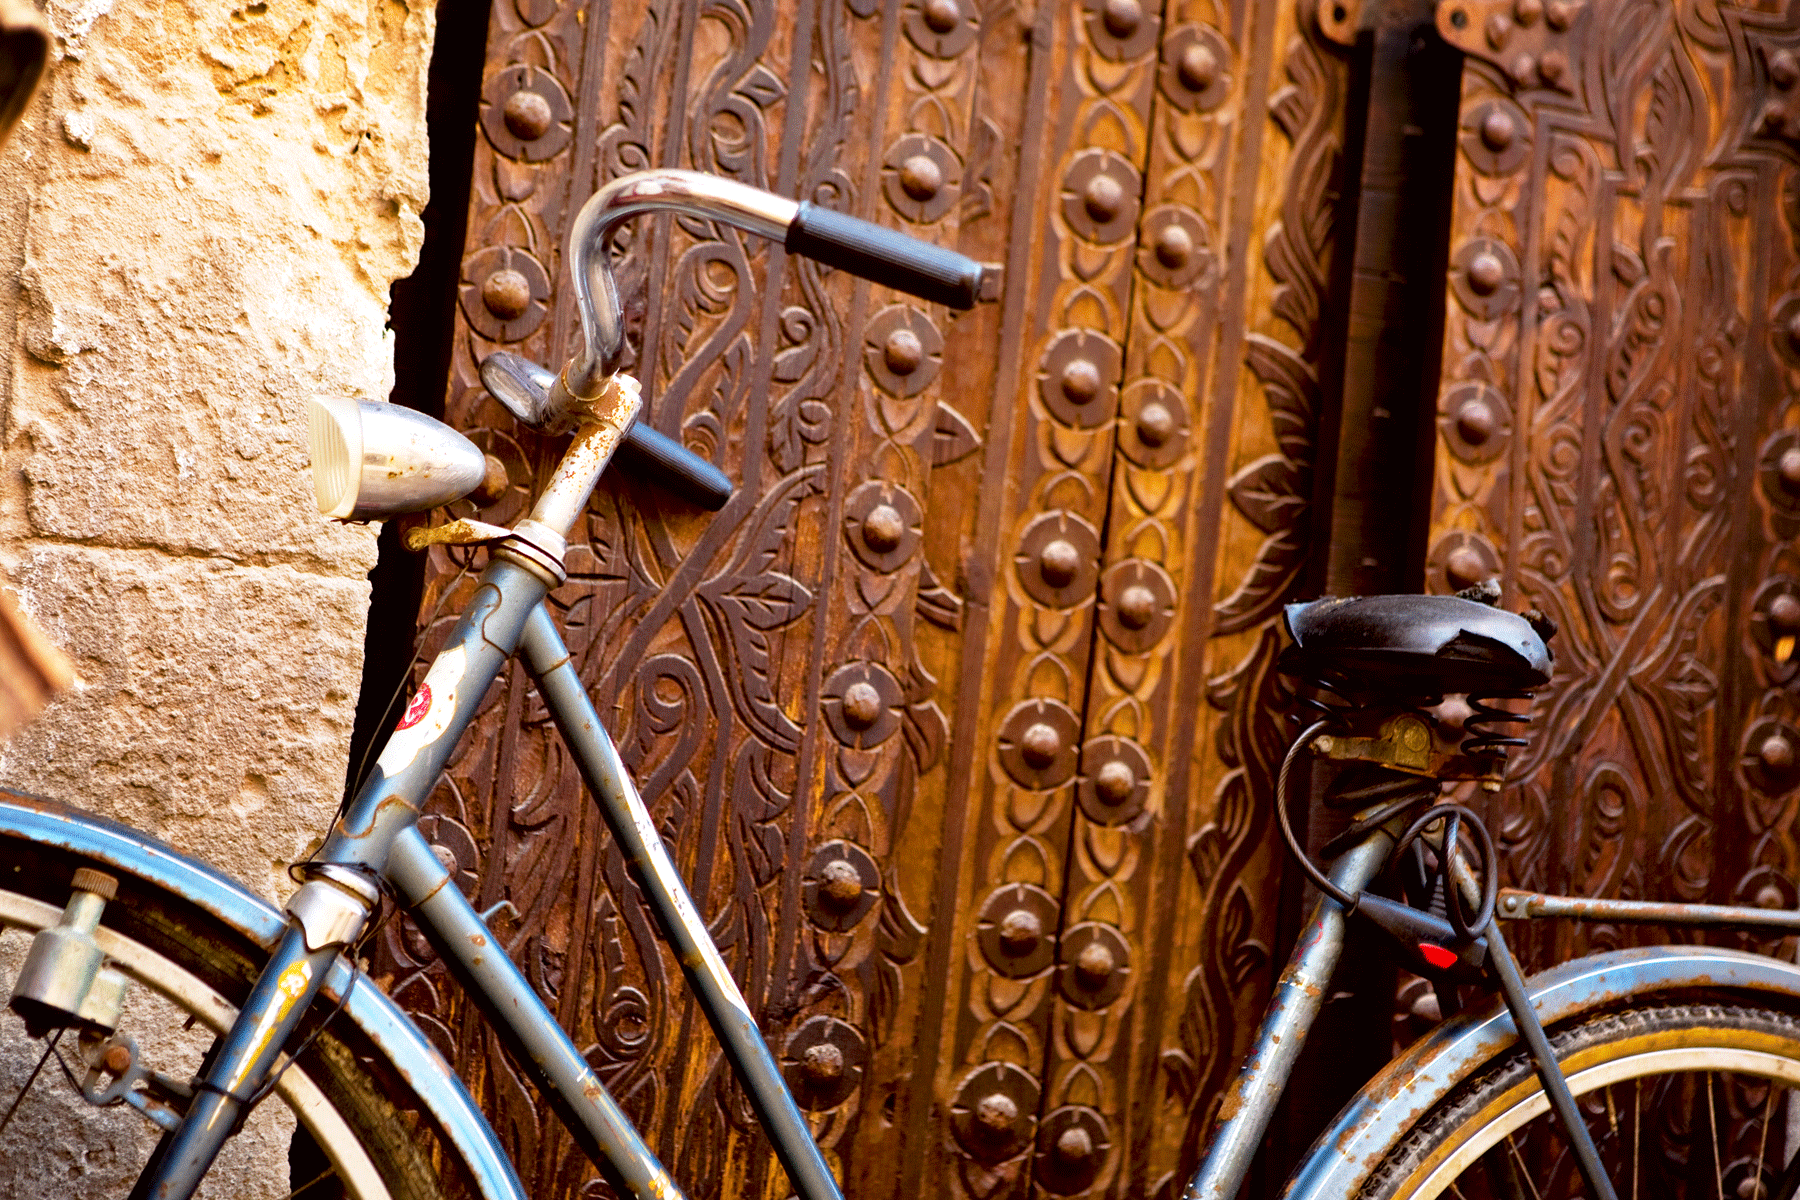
{"points": [[666, 463], [889, 258]]}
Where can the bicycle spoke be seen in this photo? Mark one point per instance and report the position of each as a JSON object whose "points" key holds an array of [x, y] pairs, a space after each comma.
{"points": [[1712, 1119], [321, 1177], [1762, 1142], [1637, 1131], [48, 1051], [1524, 1171]]}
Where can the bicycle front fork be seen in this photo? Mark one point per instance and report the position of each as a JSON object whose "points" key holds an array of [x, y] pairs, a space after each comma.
{"points": [[328, 913]]}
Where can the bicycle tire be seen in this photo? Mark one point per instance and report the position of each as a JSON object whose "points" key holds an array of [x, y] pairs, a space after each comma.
{"points": [[341, 1130], [1726, 1072]]}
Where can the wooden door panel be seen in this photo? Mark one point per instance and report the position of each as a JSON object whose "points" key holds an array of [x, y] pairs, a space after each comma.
{"points": [[1172, 880], [1618, 376]]}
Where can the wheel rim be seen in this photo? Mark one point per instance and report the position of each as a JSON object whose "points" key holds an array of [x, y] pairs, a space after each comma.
{"points": [[353, 1167], [1526, 1101]]}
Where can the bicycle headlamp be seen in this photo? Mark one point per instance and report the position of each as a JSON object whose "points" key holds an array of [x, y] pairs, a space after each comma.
{"points": [[372, 460]]}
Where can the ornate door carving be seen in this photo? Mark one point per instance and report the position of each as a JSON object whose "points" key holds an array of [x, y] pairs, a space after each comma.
{"points": [[1616, 421]]}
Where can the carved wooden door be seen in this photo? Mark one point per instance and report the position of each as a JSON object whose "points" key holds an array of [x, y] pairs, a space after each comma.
{"points": [[1617, 432], [962, 716]]}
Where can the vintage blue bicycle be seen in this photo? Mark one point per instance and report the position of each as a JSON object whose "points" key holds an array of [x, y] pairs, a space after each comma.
{"points": [[144, 982]]}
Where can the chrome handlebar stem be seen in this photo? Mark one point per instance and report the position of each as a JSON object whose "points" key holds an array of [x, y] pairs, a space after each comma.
{"points": [[596, 297]]}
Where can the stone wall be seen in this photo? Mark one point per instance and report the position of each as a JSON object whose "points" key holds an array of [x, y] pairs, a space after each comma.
{"points": [[200, 219]]}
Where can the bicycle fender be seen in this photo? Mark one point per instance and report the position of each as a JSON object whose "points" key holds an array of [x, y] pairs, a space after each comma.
{"points": [[1373, 1123], [132, 852]]}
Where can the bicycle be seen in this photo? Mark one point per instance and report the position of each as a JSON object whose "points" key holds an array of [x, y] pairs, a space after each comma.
{"points": [[114, 916]]}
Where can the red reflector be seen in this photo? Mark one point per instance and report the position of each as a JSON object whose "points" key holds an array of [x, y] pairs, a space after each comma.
{"points": [[1437, 956]]}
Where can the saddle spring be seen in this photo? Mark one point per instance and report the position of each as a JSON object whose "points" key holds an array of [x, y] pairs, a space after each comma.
{"points": [[1484, 741]]}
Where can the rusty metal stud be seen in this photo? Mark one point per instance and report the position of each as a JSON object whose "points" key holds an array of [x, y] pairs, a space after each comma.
{"points": [[1081, 381], [506, 293], [1560, 14], [1078, 378], [1115, 781], [1072, 1146], [1498, 129], [1464, 566], [996, 1112], [1784, 71], [494, 481], [882, 529], [1769, 757], [921, 177], [941, 16], [1040, 744], [1020, 931], [1499, 29], [1527, 12], [1486, 274], [1122, 17], [1784, 613], [1522, 68], [1136, 606], [1103, 197], [993, 1112], [503, 292], [1013, 930], [527, 115], [921, 173], [862, 704], [1100, 198], [1059, 562], [1174, 246], [1788, 467], [1172, 251], [117, 1059], [1154, 424], [903, 352], [824, 1062], [1554, 67], [840, 886], [1198, 67], [1476, 421], [1095, 965]]}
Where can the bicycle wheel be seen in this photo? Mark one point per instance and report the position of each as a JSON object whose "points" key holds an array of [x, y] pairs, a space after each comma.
{"points": [[1683, 1100], [328, 1130]]}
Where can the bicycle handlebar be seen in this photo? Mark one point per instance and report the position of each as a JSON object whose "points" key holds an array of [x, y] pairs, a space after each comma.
{"points": [[848, 243]]}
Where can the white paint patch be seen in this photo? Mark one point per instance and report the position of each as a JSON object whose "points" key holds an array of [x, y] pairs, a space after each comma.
{"points": [[441, 685]]}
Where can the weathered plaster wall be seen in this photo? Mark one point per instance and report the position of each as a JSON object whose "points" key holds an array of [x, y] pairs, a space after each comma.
{"points": [[200, 219]]}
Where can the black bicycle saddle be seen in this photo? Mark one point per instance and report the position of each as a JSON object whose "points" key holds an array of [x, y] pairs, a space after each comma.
{"points": [[1416, 645]]}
